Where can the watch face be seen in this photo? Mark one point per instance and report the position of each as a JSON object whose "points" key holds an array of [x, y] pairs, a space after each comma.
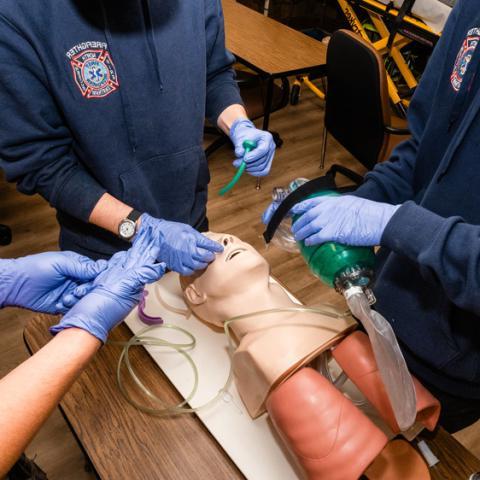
{"points": [[127, 229]]}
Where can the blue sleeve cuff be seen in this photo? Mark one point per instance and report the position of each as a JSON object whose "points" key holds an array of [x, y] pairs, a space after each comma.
{"points": [[223, 92], [411, 230]]}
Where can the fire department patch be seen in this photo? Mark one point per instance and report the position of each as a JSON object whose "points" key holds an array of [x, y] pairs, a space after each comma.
{"points": [[464, 57], [94, 73]]}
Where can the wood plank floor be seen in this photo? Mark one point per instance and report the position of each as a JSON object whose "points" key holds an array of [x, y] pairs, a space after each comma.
{"points": [[35, 230]]}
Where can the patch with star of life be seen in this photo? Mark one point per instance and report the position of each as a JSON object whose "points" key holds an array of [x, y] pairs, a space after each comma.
{"points": [[464, 58], [93, 69]]}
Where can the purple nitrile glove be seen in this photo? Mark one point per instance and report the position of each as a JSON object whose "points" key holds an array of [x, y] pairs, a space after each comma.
{"points": [[116, 290], [258, 161], [181, 247], [344, 219], [38, 282]]}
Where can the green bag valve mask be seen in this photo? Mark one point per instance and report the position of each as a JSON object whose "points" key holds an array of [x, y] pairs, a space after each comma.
{"points": [[350, 270]]}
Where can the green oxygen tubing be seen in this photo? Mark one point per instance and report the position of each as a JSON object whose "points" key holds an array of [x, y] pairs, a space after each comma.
{"points": [[248, 145]]}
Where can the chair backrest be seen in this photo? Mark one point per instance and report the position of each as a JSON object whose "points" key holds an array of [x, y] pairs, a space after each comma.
{"points": [[357, 103]]}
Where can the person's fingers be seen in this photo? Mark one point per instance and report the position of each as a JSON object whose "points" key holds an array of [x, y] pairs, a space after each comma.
{"points": [[327, 234], [206, 243], [151, 273], [271, 155], [83, 290], [306, 218], [237, 163], [202, 255], [268, 213], [313, 226], [259, 155], [239, 151], [196, 266], [145, 251], [61, 308], [69, 300], [318, 209], [141, 247], [302, 207], [184, 271], [81, 268], [258, 170]]}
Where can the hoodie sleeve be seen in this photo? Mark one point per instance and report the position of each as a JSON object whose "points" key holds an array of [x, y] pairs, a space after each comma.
{"points": [[446, 250], [222, 89], [35, 145], [392, 181]]}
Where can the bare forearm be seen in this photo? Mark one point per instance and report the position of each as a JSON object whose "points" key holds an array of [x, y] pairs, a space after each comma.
{"points": [[229, 115], [109, 212], [29, 393]]}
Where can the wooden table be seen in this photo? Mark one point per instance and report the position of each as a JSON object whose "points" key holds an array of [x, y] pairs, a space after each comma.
{"points": [[270, 48], [124, 443]]}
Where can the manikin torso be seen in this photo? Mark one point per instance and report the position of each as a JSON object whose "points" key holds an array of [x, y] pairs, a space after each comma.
{"points": [[271, 346]]}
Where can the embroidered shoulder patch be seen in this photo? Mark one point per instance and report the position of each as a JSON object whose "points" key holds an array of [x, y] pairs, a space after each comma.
{"points": [[464, 57], [93, 69]]}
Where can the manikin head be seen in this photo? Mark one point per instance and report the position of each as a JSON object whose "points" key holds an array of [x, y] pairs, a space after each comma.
{"points": [[231, 285]]}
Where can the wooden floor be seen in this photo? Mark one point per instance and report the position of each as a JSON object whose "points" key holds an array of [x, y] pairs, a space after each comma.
{"points": [[35, 230]]}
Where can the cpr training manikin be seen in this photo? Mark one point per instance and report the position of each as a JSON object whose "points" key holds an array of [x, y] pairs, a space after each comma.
{"points": [[326, 434]]}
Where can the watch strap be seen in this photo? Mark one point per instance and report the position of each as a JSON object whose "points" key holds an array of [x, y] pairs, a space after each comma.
{"points": [[134, 215]]}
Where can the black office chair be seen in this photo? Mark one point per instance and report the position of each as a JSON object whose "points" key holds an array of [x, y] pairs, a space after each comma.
{"points": [[253, 90], [5, 235], [357, 108]]}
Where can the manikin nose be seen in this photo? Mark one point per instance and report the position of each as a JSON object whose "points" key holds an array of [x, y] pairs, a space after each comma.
{"points": [[227, 240]]}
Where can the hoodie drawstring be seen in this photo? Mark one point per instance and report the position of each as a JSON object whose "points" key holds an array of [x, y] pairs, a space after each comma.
{"points": [[147, 15]]}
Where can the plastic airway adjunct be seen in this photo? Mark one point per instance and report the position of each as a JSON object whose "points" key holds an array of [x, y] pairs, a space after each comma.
{"points": [[147, 319]]}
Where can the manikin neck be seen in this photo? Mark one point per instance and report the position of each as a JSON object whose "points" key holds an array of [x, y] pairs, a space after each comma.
{"points": [[255, 299]]}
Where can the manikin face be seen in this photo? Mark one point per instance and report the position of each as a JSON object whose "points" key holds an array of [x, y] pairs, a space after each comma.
{"points": [[235, 271]]}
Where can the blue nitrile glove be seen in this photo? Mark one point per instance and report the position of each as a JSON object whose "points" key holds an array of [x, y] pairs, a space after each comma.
{"points": [[38, 282], [259, 160], [182, 248], [344, 219], [115, 291], [268, 213]]}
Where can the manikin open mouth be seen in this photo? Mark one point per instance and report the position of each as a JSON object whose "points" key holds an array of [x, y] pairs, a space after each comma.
{"points": [[234, 253]]}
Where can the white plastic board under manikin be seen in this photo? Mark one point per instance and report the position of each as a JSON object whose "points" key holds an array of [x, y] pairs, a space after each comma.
{"points": [[250, 444]]}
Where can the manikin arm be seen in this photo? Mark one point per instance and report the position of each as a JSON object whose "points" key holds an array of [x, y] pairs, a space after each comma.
{"points": [[30, 392]]}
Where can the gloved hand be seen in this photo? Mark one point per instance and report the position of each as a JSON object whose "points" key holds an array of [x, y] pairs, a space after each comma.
{"points": [[344, 219], [181, 247], [116, 290], [268, 213], [259, 160], [38, 282]]}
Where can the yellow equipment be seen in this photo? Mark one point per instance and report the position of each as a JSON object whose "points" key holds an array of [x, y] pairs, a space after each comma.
{"points": [[389, 44]]}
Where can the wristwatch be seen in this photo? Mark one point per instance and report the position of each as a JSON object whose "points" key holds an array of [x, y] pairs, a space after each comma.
{"points": [[127, 227]]}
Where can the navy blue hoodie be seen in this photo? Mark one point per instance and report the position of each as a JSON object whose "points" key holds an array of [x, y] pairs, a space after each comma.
{"points": [[428, 283], [110, 96]]}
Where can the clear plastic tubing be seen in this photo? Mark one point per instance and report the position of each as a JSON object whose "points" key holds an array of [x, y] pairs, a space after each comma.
{"points": [[145, 338]]}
